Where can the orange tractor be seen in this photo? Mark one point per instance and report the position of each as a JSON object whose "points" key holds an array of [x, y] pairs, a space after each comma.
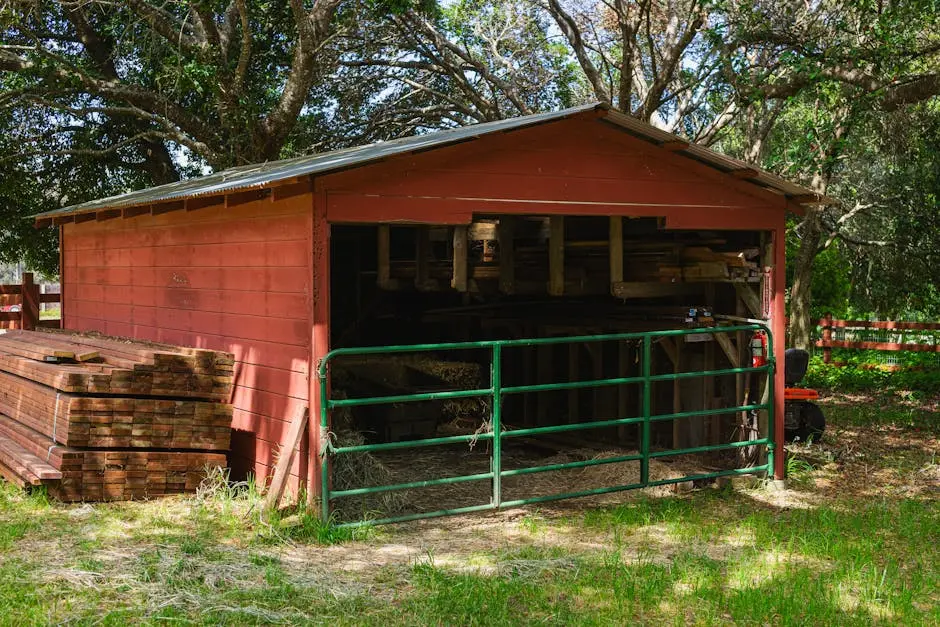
{"points": [[802, 418]]}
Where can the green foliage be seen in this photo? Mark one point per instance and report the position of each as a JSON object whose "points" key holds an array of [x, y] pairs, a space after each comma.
{"points": [[859, 375]]}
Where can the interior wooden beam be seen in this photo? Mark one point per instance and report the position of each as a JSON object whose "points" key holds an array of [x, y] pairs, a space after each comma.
{"points": [[459, 280], [615, 250], [556, 256], [670, 347], [384, 252], [730, 350], [750, 298], [505, 234]]}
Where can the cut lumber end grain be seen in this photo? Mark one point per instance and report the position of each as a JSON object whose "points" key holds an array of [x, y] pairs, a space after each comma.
{"points": [[126, 420]]}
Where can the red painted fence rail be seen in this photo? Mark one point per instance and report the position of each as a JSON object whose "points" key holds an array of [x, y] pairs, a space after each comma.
{"points": [[29, 302], [828, 323]]}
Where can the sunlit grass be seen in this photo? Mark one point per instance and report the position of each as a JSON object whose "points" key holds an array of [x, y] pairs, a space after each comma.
{"points": [[715, 556]]}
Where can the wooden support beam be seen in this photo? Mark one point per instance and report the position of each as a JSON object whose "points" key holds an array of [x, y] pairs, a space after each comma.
{"points": [[85, 217], [29, 299], [286, 458], [459, 280], [384, 280], [730, 350], [670, 347], [615, 250], [750, 298], [556, 256], [60, 220], [505, 235]]}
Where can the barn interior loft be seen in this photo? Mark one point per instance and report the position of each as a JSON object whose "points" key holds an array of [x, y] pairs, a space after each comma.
{"points": [[549, 233]]}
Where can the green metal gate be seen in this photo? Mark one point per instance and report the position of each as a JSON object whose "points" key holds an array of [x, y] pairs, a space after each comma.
{"points": [[496, 392]]}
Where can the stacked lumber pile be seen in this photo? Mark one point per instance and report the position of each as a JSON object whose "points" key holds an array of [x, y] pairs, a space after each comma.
{"points": [[99, 418]]}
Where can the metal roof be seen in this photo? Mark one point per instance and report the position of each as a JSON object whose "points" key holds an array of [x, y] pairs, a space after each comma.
{"points": [[262, 174]]}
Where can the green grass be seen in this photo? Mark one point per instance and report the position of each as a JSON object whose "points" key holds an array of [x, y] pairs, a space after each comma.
{"points": [[861, 552]]}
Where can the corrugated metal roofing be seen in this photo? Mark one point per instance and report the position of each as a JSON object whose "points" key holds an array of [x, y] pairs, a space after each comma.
{"points": [[261, 174]]}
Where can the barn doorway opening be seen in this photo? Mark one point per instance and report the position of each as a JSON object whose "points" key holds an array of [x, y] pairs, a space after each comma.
{"points": [[604, 327]]}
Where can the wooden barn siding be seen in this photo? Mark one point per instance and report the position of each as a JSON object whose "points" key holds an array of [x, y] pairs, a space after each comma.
{"points": [[573, 167], [234, 279]]}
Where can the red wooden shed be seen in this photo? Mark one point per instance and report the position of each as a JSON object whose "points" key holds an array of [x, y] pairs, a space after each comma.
{"points": [[249, 260]]}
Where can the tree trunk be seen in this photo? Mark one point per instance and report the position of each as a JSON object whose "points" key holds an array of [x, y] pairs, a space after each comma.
{"points": [[801, 291]]}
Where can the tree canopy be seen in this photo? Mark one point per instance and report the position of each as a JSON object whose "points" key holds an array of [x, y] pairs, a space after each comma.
{"points": [[98, 97]]}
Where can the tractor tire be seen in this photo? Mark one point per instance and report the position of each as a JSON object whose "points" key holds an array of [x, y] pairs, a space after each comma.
{"points": [[813, 422]]}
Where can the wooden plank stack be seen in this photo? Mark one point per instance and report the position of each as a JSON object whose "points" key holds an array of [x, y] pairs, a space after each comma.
{"points": [[99, 418]]}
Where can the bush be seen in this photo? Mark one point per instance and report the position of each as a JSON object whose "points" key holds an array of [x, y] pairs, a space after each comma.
{"points": [[857, 375]]}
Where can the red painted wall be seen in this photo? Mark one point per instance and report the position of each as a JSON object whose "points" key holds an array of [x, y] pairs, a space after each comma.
{"points": [[225, 278]]}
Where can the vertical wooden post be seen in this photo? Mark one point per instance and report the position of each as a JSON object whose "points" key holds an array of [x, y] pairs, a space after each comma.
{"points": [[556, 256], [319, 339], [62, 321], [574, 363], [779, 326], [827, 338], [384, 258], [29, 296], [505, 233], [422, 257], [615, 249], [459, 281]]}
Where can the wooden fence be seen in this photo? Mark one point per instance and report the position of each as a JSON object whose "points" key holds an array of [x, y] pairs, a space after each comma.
{"points": [[899, 333], [29, 301]]}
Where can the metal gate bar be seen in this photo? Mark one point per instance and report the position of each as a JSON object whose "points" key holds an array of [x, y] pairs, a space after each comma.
{"points": [[496, 434]]}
